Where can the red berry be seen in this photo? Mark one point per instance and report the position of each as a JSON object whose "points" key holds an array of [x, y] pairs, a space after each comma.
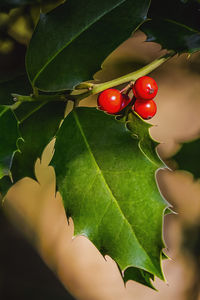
{"points": [[110, 100], [145, 109], [125, 101], [145, 88]]}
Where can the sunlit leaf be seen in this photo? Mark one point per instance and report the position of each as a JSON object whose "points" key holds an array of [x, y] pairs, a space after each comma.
{"points": [[109, 189]]}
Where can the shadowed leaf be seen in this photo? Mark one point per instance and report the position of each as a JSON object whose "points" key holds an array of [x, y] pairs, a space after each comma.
{"points": [[76, 37], [175, 25], [19, 85], [188, 157], [37, 129], [9, 134]]}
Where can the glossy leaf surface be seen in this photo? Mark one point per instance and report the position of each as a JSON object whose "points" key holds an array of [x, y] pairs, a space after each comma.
{"points": [[76, 37], [109, 189]]}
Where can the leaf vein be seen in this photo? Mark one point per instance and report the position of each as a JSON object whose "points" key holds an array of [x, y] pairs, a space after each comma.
{"points": [[107, 186], [75, 37]]}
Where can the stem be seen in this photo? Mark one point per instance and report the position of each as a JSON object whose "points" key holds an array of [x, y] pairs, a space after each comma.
{"points": [[127, 88], [97, 88], [35, 92], [39, 98], [92, 89], [15, 105]]}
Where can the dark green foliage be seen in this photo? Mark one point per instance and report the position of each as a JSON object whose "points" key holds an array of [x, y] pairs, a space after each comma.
{"points": [[76, 37], [175, 25], [188, 157], [19, 85], [8, 123], [37, 128]]}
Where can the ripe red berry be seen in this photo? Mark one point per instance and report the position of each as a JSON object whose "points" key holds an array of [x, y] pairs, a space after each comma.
{"points": [[125, 101], [145, 109], [110, 100], [145, 88]]}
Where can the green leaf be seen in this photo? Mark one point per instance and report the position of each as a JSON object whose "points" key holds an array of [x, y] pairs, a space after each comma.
{"points": [[38, 123], [9, 135], [176, 37], [20, 85], [180, 11], [109, 189], [188, 157], [140, 131], [76, 37], [140, 276], [38, 126], [37, 130], [175, 25]]}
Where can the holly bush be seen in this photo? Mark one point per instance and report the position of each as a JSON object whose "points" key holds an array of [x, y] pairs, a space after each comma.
{"points": [[105, 164]]}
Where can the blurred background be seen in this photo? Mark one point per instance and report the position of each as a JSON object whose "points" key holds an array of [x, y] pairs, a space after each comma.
{"points": [[39, 258]]}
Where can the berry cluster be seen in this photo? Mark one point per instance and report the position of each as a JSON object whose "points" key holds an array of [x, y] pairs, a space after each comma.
{"points": [[144, 89]]}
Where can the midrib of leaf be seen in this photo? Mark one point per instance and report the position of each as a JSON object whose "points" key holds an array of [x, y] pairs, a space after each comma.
{"points": [[75, 37], [99, 171]]}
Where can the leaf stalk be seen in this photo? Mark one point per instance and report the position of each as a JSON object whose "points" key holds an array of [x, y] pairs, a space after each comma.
{"points": [[93, 88], [131, 77]]}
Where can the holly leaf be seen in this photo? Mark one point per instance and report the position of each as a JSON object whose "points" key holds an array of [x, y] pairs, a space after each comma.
{"points": [[188, 157], [181, 11], [109, 189], [175, 25], [76, 37], [11, 83], [9, 134], [37, 127], [177, 37], [37, 123], [140, 276], [140, 131]]}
